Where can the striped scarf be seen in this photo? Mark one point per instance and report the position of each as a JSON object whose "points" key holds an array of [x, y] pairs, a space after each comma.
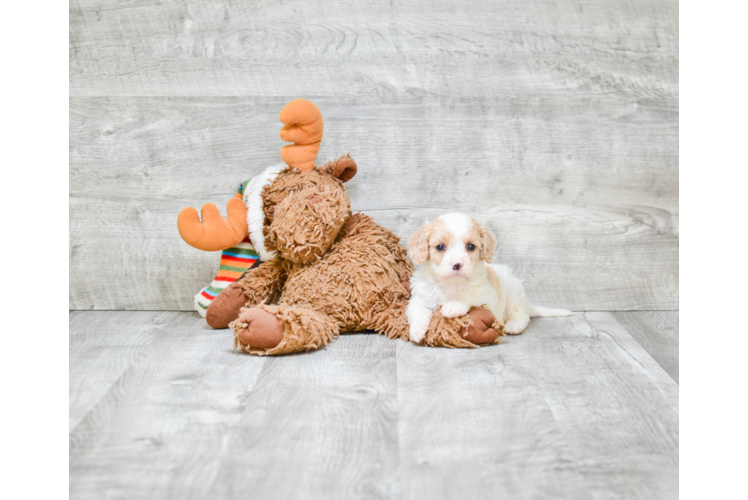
{"points": [[234, 263]]}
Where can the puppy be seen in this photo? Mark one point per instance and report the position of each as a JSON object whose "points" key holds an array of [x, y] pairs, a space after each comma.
{"points": [[459, 275]]}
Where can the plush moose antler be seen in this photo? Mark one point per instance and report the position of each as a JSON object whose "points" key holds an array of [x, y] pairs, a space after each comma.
{"points": [[303, 126], [214, 232]]}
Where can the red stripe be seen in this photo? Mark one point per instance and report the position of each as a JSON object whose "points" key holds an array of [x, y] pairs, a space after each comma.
{"points": [[239, 259], [226, 278], [209, 297]]}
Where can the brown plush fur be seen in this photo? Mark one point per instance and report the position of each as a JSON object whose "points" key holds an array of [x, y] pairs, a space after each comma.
{"points": [[333, 271], [304, 212]]}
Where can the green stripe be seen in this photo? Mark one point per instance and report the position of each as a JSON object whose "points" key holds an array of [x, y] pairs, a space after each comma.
{"points": [[243, 251], [216, 290], [246, 183], [232, 268], [201, 305]]}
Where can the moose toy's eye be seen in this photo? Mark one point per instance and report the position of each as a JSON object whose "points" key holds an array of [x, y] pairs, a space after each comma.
{"points": [[440, 247], [470, 247]]}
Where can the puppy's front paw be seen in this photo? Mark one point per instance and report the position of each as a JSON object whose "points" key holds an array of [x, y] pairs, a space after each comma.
{"points": [[418, 331], [418, 319], [453, 309]]}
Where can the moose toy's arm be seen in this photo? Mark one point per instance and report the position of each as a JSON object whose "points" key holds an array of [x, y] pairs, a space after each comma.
{"points": [[264, 283], [404, 267]]}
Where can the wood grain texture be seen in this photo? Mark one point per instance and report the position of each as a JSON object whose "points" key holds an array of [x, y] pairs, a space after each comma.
{"points": [[617, 408], [582, 191], [161, 428], [574, 408], [320, 426], [657, 332], [475, 424], [373, 48], [100, 354]]}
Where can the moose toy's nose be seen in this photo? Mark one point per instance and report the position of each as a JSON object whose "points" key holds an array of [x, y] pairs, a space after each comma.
{"points": [[457, 266]]}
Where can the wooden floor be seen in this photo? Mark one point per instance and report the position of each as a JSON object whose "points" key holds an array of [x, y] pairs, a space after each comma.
{"points": [[583, 407]]}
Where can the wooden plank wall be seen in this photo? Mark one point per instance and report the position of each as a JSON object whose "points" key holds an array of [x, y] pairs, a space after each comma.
{"points": [[554, 122]]}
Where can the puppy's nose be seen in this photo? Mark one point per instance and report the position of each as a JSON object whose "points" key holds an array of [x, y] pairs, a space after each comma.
{"points": [[457, 266]]}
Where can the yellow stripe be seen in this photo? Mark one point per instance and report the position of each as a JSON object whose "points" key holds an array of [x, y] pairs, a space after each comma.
{"points": [[229, 274]]}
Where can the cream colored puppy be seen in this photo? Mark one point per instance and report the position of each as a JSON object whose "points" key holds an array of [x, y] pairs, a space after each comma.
{"points": [[459, 275]]}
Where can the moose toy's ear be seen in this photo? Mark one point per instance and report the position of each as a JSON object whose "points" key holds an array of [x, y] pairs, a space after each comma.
{"points": [[345, 168]]}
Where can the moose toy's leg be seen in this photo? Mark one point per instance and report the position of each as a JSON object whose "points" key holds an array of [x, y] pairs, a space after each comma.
{"points": [[282, 329], [259, 284], [478, 326], [226, 306]]}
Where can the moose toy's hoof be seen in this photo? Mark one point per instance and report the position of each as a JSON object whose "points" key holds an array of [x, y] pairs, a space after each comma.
{"points": [[225, 307], [481, 330], [263, 330]]}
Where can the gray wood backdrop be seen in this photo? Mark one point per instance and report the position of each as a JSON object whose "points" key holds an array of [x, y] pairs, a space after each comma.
{"points": [[554, 122]]}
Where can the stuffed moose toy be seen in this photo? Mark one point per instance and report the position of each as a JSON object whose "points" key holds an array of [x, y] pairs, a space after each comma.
{"points": [[324, 270]]}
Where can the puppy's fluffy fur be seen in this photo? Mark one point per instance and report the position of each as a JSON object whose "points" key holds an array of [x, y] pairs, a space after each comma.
{"points": [[459, 275]]}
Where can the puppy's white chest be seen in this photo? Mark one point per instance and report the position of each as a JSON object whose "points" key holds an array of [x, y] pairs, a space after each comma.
{"points": [[476, 295], [434, 294]]}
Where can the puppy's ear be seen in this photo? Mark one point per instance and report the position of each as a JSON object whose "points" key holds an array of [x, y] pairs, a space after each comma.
{"points": [[487, 243], [418, 244]]}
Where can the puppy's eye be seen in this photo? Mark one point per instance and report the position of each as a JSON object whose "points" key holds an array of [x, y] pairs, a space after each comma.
{"points": [[470, 247], [440, 247]]}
